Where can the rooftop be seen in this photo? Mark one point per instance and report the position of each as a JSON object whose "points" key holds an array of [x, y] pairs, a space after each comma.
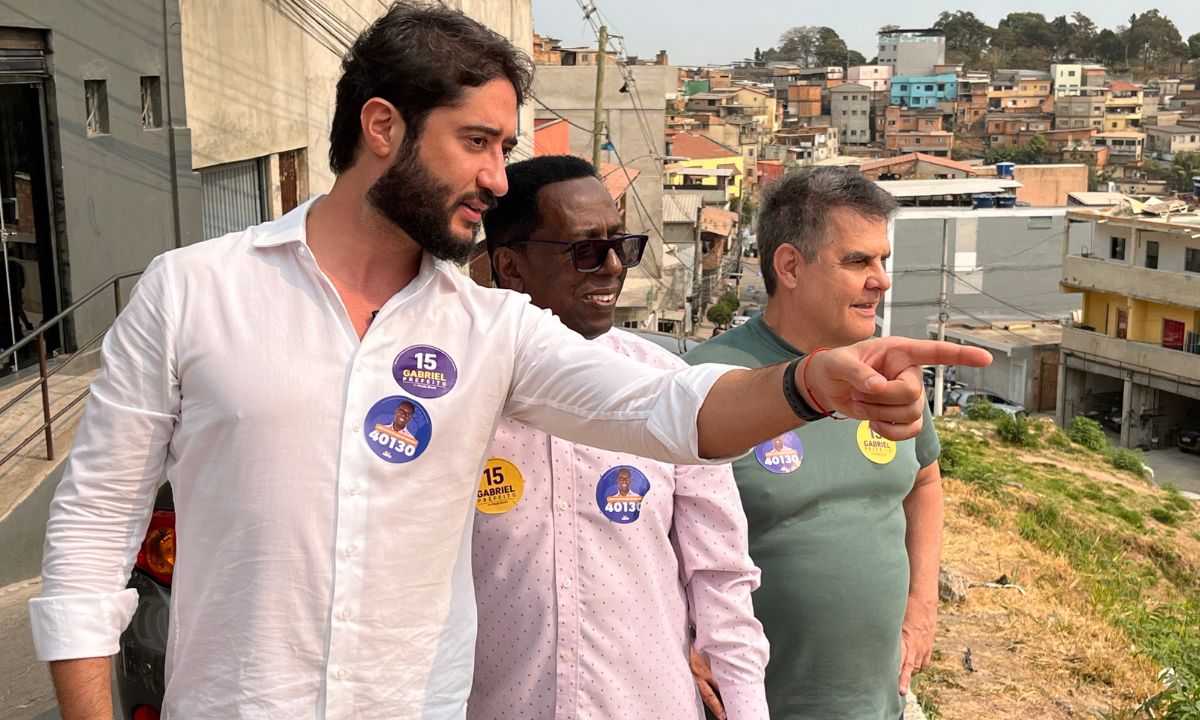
{"points": [[699, 147], [909, 157], [1005, 335], [955, 186], [681, 206]]}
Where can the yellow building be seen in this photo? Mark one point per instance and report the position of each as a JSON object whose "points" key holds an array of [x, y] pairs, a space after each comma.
{"points": [[701, 163], [1134, 357], [1123, 106], [1020, 91]]}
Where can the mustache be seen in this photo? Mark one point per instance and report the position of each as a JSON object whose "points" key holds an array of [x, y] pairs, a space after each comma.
{"points": [[485, 196]]}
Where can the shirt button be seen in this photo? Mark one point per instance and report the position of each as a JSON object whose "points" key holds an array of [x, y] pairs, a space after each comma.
{"points": [[350, 550], [353, 489], [563, 505], [568, 655], [566, 583], [356, 429], [342, 674], [346, 613]]}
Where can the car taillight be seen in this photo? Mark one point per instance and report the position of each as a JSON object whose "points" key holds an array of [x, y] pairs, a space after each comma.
{"points": [[157, 555], [145, 712]]}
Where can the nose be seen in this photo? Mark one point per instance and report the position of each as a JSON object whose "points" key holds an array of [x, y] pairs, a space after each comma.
{"points": [[493, 176], [612, 264], [879, 278]]}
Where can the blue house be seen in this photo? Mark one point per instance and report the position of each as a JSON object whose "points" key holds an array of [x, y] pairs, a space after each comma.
{"points": [[924, 91]]}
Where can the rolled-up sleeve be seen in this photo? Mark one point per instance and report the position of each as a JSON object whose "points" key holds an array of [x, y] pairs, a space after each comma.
{"points": [[589, 394], [719, 576], [102, 506]]}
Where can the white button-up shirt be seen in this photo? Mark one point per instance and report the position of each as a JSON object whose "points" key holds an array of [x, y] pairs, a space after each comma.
{"points": [[583, 609], [323, 539]]}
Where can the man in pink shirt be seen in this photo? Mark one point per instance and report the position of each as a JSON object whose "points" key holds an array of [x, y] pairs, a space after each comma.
{"points": [[594, 568]]}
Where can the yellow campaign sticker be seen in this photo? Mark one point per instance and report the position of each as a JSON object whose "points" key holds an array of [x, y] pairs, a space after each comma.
{"points": [[874, 446], [500, 487]]}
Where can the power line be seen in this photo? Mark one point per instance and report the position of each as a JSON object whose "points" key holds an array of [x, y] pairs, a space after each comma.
{"points": [[981, 291]]}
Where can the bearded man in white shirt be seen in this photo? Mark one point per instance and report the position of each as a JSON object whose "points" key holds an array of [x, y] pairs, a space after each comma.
{"points": [[598, 535], [321, 572]]}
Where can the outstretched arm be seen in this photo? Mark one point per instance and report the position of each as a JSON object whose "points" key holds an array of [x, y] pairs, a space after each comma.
{"points": [[877, 380]]}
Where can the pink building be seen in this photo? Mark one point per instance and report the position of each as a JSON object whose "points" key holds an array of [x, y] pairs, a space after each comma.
{"points": [[876, 77]]}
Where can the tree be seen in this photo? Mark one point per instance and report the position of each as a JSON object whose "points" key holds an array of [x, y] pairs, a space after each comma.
{"points": [[799, 44], [966, 34], [719, 314], [1193, 42], [1155, 40], [1030, 29], [1081, 38], [830, 49], [1110, 48]]}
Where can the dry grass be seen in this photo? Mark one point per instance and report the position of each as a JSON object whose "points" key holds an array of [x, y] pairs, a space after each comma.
{"points": [[1064, 648]]}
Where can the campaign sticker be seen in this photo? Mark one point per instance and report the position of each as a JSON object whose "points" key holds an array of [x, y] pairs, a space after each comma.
{"points": [[425, 371], [781, 455], [620, 493], [874, 446], [397, 429], [500, 487]]}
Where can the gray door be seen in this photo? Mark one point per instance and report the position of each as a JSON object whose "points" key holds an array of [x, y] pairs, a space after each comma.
{"points": [[234, 197]]}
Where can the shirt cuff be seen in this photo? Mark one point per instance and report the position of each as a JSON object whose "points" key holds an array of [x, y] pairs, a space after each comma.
{"points": [[666, 422], [745, 702], [68, 627]]}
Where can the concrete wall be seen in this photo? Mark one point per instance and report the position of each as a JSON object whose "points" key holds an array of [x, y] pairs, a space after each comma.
{"points": [[1003, 259], [129, 195], [258, 85], [1048, 185]]}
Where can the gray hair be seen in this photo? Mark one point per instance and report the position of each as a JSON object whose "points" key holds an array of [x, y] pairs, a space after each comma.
{"points": [[795, 211]]}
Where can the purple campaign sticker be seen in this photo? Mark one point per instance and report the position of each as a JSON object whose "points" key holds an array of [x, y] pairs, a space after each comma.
{"points": [[620, 493], [425, 371], [781, 455], [397, 429]]}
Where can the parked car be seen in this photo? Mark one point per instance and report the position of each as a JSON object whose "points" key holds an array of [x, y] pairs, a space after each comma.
{"points": [[964, 398], [1189, 441]]}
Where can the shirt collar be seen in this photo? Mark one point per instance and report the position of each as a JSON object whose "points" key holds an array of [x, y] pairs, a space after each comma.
{"points": [[291, 228]]}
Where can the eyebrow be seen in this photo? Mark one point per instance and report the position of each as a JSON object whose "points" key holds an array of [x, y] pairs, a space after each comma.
{"points": [[856, 256], [491, 132]]}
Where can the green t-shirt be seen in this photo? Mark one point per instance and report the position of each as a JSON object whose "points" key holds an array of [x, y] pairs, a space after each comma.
{"points": [[827, 525]]}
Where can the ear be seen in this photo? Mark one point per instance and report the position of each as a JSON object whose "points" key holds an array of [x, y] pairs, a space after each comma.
{"points": [[787, 263], [509, 268], [382, 127]]}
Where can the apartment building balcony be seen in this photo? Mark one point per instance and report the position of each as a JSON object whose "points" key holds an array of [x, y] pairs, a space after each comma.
{"points": [[1131, 355], [1162, 286]]}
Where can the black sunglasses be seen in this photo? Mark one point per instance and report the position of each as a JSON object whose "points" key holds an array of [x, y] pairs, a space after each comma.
{"points": [[589, 255]]}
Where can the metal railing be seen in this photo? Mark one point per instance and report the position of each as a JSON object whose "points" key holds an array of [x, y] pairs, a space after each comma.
{"points": [[38, 335]]}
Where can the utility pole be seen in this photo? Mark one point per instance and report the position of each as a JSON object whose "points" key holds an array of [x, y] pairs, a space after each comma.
{"points": [[939, 375], [598, 113]]}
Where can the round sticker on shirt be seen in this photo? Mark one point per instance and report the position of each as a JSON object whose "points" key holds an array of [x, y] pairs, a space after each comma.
{"points": [[397, 429], [874, 446], [781, 455], [500, 487], [425, 371], [620, 493]]}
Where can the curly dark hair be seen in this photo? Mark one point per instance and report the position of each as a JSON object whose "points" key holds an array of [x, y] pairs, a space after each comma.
{"points": [[419, 56]]}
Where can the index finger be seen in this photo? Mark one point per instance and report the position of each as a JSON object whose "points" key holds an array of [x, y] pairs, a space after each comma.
{"points": [[910, 353]]}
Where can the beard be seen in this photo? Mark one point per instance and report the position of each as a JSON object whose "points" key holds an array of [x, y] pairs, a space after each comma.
{"points": [[415, 201]]}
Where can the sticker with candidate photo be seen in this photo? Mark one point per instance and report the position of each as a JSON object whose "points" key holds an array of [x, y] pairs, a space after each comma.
{"points": [[397, 429], [781, 455], [621, 492], [425, 371]]}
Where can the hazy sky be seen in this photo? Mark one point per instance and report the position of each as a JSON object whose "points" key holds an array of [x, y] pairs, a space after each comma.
{"points": [[697, 32]]}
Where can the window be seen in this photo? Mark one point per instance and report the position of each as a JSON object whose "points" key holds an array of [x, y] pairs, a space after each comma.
{"points": [[928, 88], [1117, 249], [631, 325], [1191, 260], [95, 93], [151, 102], [1070, 73], [1152, 254]]}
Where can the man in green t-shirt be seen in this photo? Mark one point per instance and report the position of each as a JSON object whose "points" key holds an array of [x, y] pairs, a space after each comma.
{"points": [[845, 524]]}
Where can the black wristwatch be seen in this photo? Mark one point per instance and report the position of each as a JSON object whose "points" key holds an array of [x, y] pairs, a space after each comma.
{"points": [[795, 399]]}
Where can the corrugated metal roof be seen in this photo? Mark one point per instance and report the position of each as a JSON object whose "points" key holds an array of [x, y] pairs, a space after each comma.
{"points": [[681, 207]]}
